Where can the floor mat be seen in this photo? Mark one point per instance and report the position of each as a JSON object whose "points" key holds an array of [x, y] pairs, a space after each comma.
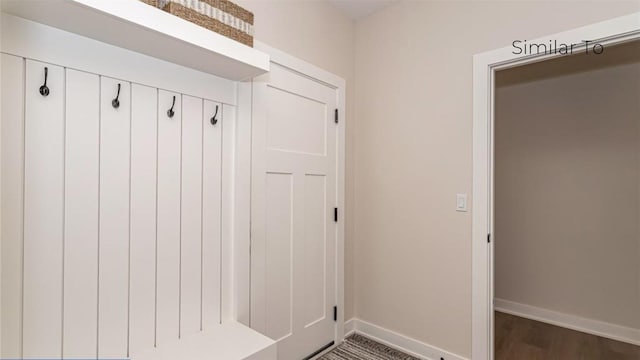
{"points": [[358, 347]]}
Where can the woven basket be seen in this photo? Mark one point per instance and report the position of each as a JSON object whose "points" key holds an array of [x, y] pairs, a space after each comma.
{"points": [[153, 3], [239, 22]]}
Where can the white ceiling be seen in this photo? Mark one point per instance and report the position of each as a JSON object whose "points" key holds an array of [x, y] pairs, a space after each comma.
{"points": [[357, 9]]}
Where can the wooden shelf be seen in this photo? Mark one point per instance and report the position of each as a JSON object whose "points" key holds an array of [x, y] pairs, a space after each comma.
{"points": [[229, 341], [134, 25]]}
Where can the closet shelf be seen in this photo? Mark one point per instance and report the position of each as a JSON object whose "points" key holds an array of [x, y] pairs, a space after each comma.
{"points": [[134, 25]]}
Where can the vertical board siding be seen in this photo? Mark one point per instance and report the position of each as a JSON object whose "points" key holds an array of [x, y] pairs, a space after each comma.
{"points": [[191, 227], [81, 215], [12, 201], [144, 132], [111, 216], [168, 219], [211, 215], [114, 219], [43, 212], [226, 203]]}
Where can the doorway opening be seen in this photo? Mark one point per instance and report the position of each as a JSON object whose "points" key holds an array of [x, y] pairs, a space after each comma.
{"points": [[607, 34], [567, 207]]}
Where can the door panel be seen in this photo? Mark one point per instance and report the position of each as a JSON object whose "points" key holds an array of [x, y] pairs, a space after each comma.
{"points": [[315, 246], [288, 130], [293, 196], [279, 236]]}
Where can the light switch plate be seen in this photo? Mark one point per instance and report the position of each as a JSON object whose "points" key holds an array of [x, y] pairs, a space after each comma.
{"points": [[461, 202]]}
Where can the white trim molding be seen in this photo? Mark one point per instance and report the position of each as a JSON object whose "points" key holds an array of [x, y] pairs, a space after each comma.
{"points": [[350, 327], [143, 29], [397, 341], [606, 33], [21, 37], [573, 322]]}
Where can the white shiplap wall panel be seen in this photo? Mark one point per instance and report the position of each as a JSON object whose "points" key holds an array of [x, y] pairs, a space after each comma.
{"points": [[12, 202], [122, 214], [191, 227], [114, 219], [144, 147], [211, 215], [226, 204], [82, 135], [43, 212], [168, 243]]}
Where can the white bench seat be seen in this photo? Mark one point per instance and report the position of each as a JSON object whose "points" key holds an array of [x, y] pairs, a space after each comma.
{"points": [[229, 341]]}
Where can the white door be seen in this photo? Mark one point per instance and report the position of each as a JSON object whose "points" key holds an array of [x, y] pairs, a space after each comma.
{"points": [[293, 231]]}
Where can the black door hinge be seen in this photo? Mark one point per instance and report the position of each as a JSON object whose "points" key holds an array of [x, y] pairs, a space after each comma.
{"points": [[488, 238], [336, 116], [335, 214], [335, 313]]}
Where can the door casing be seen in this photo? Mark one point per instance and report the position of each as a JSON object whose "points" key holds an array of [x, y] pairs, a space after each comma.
{"points": [[485, 65]]}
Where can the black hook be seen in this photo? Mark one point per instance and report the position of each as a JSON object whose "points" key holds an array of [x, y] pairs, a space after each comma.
{"points": [[115, 102], [44, 90], [170, 112], [213, 119]]}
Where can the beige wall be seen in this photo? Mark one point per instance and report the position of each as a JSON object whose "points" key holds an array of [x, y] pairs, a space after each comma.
{"points": [[318, 33], [408, 257], [413, 154], [568, 186]]}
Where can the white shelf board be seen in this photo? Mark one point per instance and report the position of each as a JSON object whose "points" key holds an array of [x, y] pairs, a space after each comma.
{"points": [[228, 341], [134, 25]]}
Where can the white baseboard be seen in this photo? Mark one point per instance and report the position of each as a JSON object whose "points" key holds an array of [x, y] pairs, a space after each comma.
{"points": [[595, 327], [349, 326], [397, 341]]}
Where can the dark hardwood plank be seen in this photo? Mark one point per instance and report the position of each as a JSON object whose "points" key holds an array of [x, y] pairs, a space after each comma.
{"points": [[518, 338]]}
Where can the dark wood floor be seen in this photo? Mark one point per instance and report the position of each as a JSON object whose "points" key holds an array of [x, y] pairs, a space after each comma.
{"points": [[523, 339]]}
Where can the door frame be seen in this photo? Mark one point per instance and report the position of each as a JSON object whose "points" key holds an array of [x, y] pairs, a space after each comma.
{"points": [[607, 33], [245, 116]]}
